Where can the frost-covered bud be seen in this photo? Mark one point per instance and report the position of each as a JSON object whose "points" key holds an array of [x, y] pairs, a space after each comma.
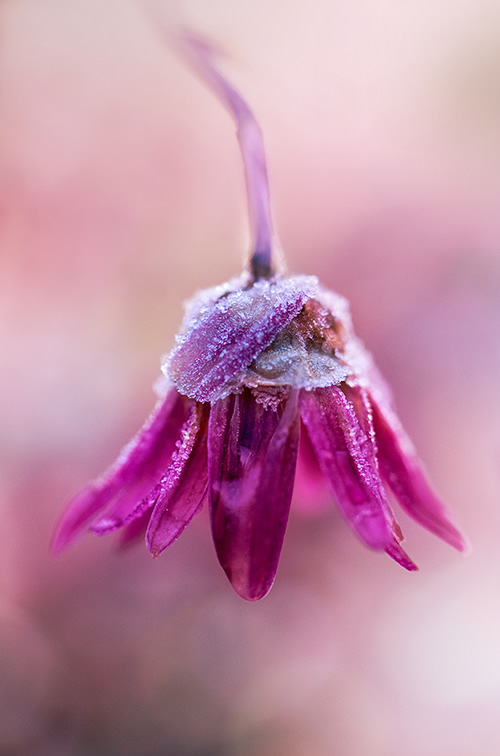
{"points": [[272, 333]]}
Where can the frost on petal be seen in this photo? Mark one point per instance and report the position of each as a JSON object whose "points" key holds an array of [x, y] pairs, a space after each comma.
{"points": [[226, 335], [180, 493], [403, 471], [399, 464], [133, 474], [252, 455], [344, 446]]}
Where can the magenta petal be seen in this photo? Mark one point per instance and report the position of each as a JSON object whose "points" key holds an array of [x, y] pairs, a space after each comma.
{"points": [[400, 556], [346, 455], [252, 453], [402, 470], [133, 499], [311, 491], [135, 529], [180, 493], [133, 474]]}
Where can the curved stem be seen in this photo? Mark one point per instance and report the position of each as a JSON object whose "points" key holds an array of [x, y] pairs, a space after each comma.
{"points": [[252, 150]]}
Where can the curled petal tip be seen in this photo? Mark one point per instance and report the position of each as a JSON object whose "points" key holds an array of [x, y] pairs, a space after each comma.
{"points": [[57, 547], [151, 545], [454, 538], [252, 455], [249, 593], [462, 544], [404, 473], [400, 556], [248, 586], [72, 524]]}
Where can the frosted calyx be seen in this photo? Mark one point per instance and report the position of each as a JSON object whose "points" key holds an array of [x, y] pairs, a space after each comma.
{"points": [[278, 333], [226, 328]]}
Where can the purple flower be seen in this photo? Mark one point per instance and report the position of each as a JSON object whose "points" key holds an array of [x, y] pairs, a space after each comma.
{"points": [[260, 361]]}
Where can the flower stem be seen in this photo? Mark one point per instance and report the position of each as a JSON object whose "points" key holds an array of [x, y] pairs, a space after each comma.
{"points": [[252, 150]]}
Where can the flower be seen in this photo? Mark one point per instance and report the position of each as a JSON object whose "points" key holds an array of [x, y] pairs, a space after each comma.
{"points": [[260, 361]]}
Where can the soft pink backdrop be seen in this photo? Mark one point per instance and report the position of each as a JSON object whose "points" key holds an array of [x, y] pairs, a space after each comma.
{"points": [[121, 192]]}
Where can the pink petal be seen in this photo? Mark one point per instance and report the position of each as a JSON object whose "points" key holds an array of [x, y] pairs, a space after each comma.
{"points": [[402, 469], [346, 454], [252, 453], [311, 492], [180, 493], [132, 476], [136, 497], [135, 529], [359, 399], [225, 336], [400, 556]]}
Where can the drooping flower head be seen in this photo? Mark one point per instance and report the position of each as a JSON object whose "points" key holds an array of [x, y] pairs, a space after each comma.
{"points": [[259, 362]]}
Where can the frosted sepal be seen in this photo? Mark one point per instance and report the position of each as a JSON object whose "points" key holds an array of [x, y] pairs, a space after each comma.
{"points": [[221, 337]]}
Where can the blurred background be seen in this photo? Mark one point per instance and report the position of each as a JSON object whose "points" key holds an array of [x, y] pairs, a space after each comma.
{"points": [[121, 192]]}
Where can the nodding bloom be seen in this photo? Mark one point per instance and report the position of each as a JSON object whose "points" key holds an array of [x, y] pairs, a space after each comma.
{"points": [[261, 362]]}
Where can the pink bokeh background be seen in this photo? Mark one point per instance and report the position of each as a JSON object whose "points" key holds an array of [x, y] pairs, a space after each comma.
{"points": [[121, 192]]}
